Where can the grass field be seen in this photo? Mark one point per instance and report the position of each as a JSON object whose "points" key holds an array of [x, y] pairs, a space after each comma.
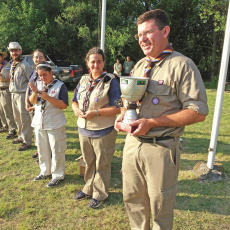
{"points": [[25, 204]]}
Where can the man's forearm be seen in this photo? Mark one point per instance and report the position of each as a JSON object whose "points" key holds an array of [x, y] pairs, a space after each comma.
{"points": [[181, 118]]}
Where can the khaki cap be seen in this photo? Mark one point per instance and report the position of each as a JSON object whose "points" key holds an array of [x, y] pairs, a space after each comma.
{"points": [[14, 45]]}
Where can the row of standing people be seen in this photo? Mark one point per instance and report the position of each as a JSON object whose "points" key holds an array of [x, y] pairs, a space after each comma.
{"points": [[175, 98]]}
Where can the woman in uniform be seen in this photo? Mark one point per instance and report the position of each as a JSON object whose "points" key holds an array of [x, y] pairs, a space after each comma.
{"points": [[94, 105], [49, 123]]}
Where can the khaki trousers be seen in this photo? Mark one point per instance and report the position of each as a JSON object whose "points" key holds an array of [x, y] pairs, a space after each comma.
{"points": [[51, 145], [22, 117], [150, 173], [97, 153], [6, 107], [3, 118]]}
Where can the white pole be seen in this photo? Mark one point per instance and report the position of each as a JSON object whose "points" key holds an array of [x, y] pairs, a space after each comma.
{"points": [[220, 93], [103, 17]]}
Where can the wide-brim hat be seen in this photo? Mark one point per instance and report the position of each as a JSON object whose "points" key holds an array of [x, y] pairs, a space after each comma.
{"points": [[14, 45], [4, 54]]}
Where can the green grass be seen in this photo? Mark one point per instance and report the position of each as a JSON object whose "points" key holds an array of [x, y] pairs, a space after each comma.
{"points": [[25, 204]]}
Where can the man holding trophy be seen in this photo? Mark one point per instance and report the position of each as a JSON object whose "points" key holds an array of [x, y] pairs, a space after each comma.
{"points": [[173, 98]]}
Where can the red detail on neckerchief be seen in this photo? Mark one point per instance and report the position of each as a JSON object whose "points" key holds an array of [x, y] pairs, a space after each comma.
{"points": [[152, 61]]}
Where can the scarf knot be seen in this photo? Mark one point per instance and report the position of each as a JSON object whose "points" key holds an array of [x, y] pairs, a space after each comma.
{"points": [[92, 84], [152, 61], [45, 89]]}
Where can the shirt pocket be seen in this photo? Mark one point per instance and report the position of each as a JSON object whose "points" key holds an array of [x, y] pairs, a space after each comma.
{"points": [[156, 101]]}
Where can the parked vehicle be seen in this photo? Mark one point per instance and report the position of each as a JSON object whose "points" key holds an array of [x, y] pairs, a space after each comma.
{"points": [[64, 72]]}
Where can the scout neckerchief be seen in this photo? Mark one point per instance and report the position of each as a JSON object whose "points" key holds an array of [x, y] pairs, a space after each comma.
{"points": [[46, 88], [92, 84], [13, 66], [2, 65], [152, 61], [35, 77]]}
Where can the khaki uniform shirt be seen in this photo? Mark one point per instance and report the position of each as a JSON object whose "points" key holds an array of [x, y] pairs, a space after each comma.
{"points": [[98, 99], [21, 77], [5, 76], [175, 84]]}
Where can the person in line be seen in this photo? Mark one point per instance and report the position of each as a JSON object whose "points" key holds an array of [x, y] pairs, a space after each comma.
{"points": [[38, 56], [5, 98], [128, 66], [94, 105], [175, 97], [117, 68], [19, 77], [50, 97]]}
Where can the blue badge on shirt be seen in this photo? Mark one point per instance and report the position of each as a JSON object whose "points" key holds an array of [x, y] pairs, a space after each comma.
{"points": [[7, 68], [78, 96]]}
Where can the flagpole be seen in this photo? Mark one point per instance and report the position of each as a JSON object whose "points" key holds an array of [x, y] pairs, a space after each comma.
{"points": [[103, 24], [220, 93]]}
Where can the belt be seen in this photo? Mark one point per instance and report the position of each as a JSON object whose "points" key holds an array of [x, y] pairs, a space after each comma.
{"points": [[153, 139], [3, 88]]}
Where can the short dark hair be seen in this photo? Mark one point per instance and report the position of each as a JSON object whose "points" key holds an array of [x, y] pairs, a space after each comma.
{"points": [[160, 17], [95, 50]]}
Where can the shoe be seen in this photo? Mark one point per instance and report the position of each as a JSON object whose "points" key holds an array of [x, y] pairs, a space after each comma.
{"points": [[24, 147], [80, 196], [11, 135], [40, 177], [95, 203], [3, 130], [35, 155], [17, 141], [52, 183]]}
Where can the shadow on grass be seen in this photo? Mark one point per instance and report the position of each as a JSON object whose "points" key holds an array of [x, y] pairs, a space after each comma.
{"points": [[203, 197], [199, 145]]}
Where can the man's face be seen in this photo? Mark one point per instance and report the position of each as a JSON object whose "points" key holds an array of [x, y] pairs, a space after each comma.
{"points": [[128, 58], [151, 40], [15, 54]]}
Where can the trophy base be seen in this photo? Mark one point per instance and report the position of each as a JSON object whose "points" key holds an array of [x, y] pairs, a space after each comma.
{"points": [[125, 127]]}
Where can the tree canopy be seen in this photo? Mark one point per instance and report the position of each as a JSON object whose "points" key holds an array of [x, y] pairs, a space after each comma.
{"points": [[70, 28]]}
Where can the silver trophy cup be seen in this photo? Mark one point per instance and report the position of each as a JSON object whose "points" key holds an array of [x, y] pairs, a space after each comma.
{"points": [[132, 89]]}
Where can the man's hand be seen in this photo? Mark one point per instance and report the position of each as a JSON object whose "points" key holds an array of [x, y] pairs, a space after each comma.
{"points": [[1, 80], [119, 119], [143, 126]]}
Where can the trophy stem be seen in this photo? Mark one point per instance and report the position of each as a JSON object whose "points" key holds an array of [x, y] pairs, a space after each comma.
{"points": [[130, 116]]}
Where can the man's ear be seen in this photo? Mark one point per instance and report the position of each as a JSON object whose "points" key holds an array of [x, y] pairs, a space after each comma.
{"points": [[166, 31]]}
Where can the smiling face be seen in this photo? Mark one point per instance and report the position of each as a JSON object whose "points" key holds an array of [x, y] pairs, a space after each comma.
{"points": [[38, 57], [154, 42], [15, 54], [45, 76], [96, 65]]}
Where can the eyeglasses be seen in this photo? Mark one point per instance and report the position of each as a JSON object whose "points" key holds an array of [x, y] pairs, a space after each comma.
{"points": [[38, 57], [145, 34]]}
